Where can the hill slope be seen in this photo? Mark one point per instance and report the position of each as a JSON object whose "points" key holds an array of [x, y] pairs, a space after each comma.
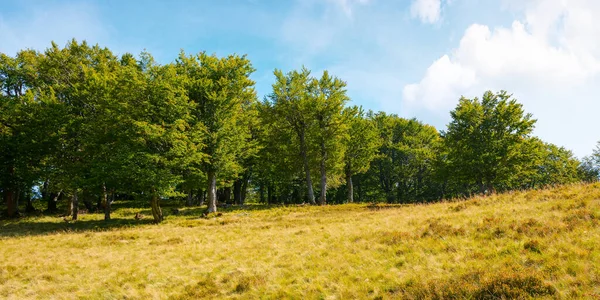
{"points": [[535, 243]]}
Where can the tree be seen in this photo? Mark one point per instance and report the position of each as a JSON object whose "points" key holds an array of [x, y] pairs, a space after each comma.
{"points": [[416, 151], [484, 140], [158, 123], [294, 108], [25, 128], [589, 168], [279, 167], [65, 74], [362, 144], [330, 97], [220, 90], [558, 166], [404, 169]]}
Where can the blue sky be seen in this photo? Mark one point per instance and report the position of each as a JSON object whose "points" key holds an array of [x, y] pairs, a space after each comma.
{"points": [[410, 57]]}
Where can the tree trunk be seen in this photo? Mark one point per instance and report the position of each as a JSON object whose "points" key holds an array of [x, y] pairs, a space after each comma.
{"points": [[52, 200], [350, 187], [269, 194], [106, 203], [237, 191], [45, 192], [10, 198], [29, 208], [481, 187], [227, 195], [310, 193], [11, 205], [74, 205], [190, 198], [212, 192], [245, 188], [360, 190], [261, 191], [201, 196], [156, 211], [323, 197]]}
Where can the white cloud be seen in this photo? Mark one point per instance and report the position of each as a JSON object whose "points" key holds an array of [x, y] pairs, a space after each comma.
{"points": [[443, 79], [42, 24], [429, 11], [545, 58]]}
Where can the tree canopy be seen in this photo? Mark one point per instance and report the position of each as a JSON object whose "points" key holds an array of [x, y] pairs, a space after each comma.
{"points": [[82, 124]]}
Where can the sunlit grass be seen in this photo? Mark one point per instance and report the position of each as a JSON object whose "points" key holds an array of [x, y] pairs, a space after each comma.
{"points": [[536, 243]]}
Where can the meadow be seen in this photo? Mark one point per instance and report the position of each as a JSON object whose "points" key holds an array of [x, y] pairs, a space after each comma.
{"points": [[538, 243]]}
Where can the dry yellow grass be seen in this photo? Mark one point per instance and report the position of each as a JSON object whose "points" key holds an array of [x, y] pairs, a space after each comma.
{"points": [[522, 244]]}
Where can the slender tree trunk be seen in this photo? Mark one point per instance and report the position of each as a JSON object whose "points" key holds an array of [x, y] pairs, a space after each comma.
{"points": [[201, 196], [237, 191], [359, 188], [261, 191], [85, 196], [212, 192], [29, 208], [227, 195], [70, 207], [350, 187], [244, 188], [17, 198], [323, 197], [190, 198], [106, 203], [74, 205], [156, 211], [45, 189], [11, 205], [45, 192], [269, 194], [52, 200], [10, 197], [481, 187], [310, 193]]}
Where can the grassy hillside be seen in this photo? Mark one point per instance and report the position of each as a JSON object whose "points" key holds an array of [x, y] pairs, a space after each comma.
{"points": [[536, 243]]}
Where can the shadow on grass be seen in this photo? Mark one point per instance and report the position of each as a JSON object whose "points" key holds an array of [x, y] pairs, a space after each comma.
{"points": [[31, 227], [199, 210]]}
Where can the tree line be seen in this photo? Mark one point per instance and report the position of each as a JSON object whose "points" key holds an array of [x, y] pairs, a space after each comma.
{"points": [[82, 124]]}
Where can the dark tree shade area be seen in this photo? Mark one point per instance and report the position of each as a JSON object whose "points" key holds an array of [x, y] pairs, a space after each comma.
{"points": [[81, 126]]}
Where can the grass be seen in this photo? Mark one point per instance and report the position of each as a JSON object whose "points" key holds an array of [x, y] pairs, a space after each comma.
{"points": [[542, 244]]}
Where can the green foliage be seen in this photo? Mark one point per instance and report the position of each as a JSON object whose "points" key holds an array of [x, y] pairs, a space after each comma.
{"points": [[362, 142], [80, 122], [26, 121], [222, 97], [405, 167], [487, 141]]}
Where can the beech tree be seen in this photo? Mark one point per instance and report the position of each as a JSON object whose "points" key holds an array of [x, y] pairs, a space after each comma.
{"points": [[331, 127], [293, 107], [159, 120], [220, 90], [80, 123], [362, 144], [485, 139], [26, 123]]}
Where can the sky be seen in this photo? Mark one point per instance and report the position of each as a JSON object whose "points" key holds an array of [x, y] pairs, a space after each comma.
{"points": [[414, 58]]}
